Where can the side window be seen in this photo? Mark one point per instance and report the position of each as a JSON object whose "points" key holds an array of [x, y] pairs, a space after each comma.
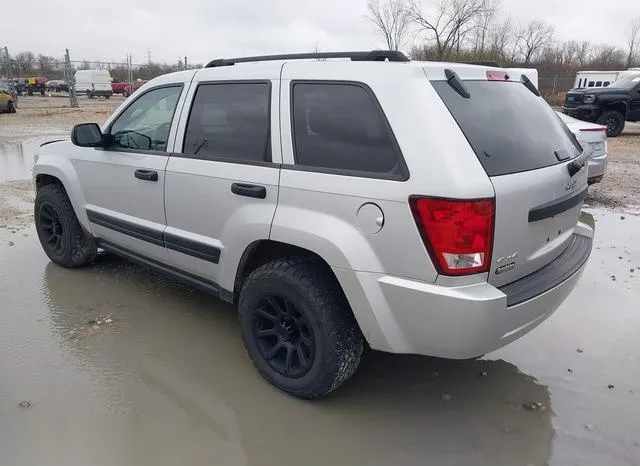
{"points": [[341, 126], [230, 121], [145, 124], [598, 83], [591, 83], [606, 83]]}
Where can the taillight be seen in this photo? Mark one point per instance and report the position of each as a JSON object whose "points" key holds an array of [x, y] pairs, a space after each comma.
{"points": [[595, 129], [458, 233]]}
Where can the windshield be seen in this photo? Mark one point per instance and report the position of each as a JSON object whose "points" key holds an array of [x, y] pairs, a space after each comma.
{"points": [[510, 129], [628, 82]]}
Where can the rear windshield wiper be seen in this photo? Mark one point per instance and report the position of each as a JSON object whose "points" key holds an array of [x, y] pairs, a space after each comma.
{"points": [[529, 85], [578, 163], [456, 83]]}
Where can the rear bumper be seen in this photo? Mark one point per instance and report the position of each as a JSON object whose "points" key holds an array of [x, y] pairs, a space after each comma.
{"points": [[99, 93], [597, 167], [404, 316]]}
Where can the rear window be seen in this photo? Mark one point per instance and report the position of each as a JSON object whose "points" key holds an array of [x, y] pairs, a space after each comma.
{"points": [[510, 129]]}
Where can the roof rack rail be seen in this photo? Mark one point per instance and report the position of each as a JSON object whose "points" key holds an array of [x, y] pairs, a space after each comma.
{"points": [[373, 55], [482, 63]]}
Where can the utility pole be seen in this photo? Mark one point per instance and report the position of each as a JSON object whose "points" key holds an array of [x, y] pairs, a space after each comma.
{"points": [[149, 56], [185, 63], [71, 81], [8, 73], [130, 70]]}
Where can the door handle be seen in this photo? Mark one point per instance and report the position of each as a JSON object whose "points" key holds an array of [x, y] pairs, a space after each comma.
{"points": [[249, 190], [147, 175]]}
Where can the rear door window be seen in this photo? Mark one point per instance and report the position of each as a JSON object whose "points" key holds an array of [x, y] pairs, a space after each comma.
{"points": [[340, 127], [510, 129], [230, 121]]}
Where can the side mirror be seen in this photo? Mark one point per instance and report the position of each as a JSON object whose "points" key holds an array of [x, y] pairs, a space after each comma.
{"points": [[87, 135]]}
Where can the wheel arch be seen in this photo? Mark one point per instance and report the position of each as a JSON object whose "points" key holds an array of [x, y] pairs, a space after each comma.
{"points": [[262, 251], [44, 174], [620, 106]]}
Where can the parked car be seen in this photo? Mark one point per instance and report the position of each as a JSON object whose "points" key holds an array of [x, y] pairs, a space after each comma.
{"points": [[93, 83], [338, 203], [126, 88], [37, 84], [7, 100], [610, 106], [20, 85], [57, 85], [593, 139]]}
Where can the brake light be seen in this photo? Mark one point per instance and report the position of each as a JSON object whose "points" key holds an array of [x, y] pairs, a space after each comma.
{"points": [[599, 129], [497, 76], [457, 233]]}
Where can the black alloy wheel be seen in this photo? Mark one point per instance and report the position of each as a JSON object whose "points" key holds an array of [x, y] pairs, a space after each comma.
{"points": [[283, 336], [52, 227]]}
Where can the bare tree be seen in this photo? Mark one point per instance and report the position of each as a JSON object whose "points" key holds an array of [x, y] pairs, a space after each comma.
{"points": [[485, 23], [451, 23], [500, 40], [583, 52], [45, 64], [533, 38], [392, 20], [633, 41], [25, 62], [566, 52], [607, 57]]}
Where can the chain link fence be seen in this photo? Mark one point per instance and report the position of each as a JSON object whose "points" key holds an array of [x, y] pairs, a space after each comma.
{"points": [[554, 88], [31, 77]]}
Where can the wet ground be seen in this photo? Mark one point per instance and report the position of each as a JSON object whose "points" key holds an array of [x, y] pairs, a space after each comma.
{"points": [[115, 365], [119, 365]]}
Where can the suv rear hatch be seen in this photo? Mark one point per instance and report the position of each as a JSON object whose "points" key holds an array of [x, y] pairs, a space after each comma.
{"points": [[526, 151]]}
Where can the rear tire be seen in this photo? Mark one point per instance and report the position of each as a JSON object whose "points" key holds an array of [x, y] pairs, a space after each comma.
{"points": [[107, 97], [298, 327], [11, 108], [614, 121], [62, 237]]}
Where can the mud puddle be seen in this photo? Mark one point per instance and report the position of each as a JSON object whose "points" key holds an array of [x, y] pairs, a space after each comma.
{"points": [[168, 382], [16, 158]]}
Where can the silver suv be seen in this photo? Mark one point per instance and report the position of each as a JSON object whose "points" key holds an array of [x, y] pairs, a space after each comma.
{"points": [[338, 199]]}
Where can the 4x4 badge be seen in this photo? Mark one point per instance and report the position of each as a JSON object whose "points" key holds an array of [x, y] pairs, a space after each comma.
{"points": [[571, 184]]}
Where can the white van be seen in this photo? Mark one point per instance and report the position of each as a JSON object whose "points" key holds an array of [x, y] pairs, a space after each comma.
{"points": [[595, 78], [93, 83]]}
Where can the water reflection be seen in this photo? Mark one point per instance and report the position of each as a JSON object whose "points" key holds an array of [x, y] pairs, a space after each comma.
{"points": [[16, 159], [175, 364]]}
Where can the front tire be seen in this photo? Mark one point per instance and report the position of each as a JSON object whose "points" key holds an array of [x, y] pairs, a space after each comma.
{"points": [[298, 327], [614, 121], [11, 108], [62, 237]]}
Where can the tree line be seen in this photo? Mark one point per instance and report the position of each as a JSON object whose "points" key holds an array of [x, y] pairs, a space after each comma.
{"points": [[25, 64], [477, 30]]}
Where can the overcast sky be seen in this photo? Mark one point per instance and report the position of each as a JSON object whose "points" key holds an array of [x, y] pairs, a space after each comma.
{"points": [[205, 29]]}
